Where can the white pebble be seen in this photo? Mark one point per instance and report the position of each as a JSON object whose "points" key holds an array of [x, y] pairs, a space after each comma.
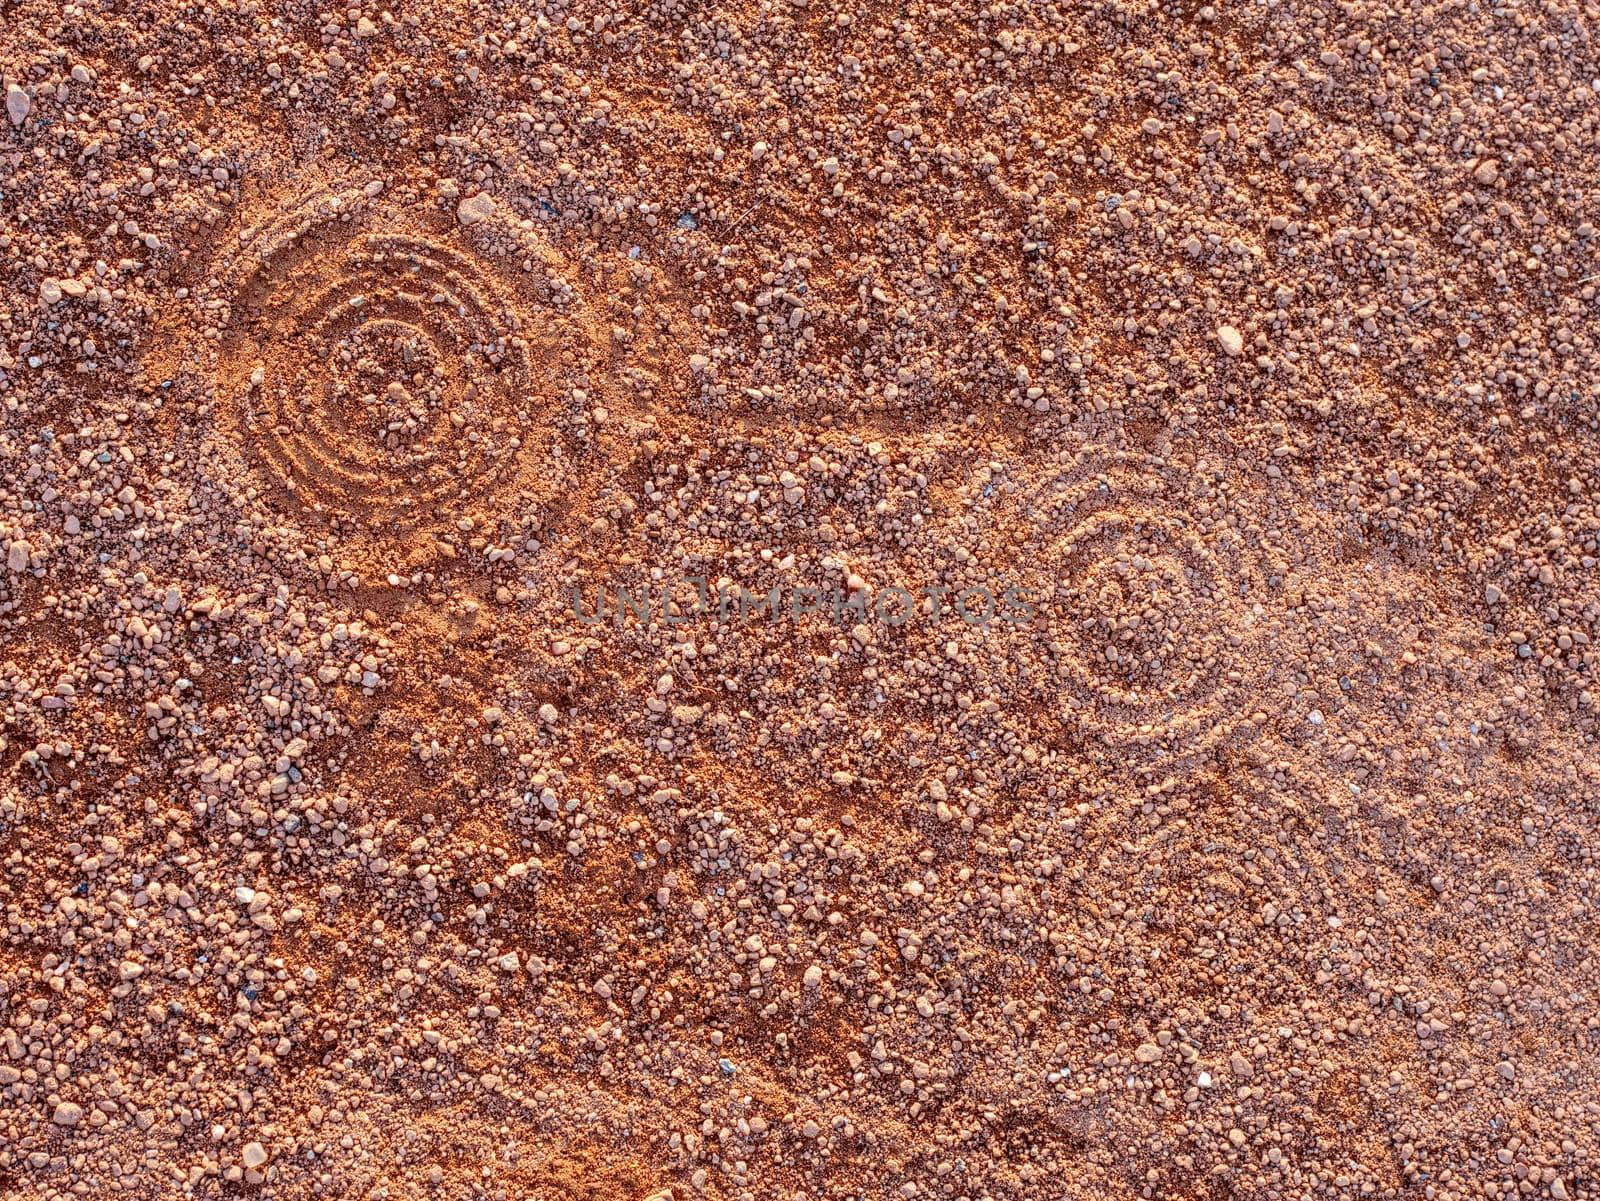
{"points": [[474, 209]]}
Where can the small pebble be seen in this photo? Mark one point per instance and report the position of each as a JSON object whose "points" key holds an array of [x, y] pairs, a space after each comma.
{"points": [[475, 209], [18, 104]]}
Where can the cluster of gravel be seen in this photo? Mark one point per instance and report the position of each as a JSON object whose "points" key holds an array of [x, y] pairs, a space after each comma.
{"points": [[342, 350]]}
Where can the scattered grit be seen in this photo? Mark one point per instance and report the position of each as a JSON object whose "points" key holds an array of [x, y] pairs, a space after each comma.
{"points": [[338, 345]]}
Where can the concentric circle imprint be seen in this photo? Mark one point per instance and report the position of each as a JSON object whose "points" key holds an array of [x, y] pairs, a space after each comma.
{"points": [[1135, 593], [1149, 614], [380, 376]]}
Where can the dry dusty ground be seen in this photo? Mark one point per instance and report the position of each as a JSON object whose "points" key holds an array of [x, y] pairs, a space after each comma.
{"points": [[1256, 343]]}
